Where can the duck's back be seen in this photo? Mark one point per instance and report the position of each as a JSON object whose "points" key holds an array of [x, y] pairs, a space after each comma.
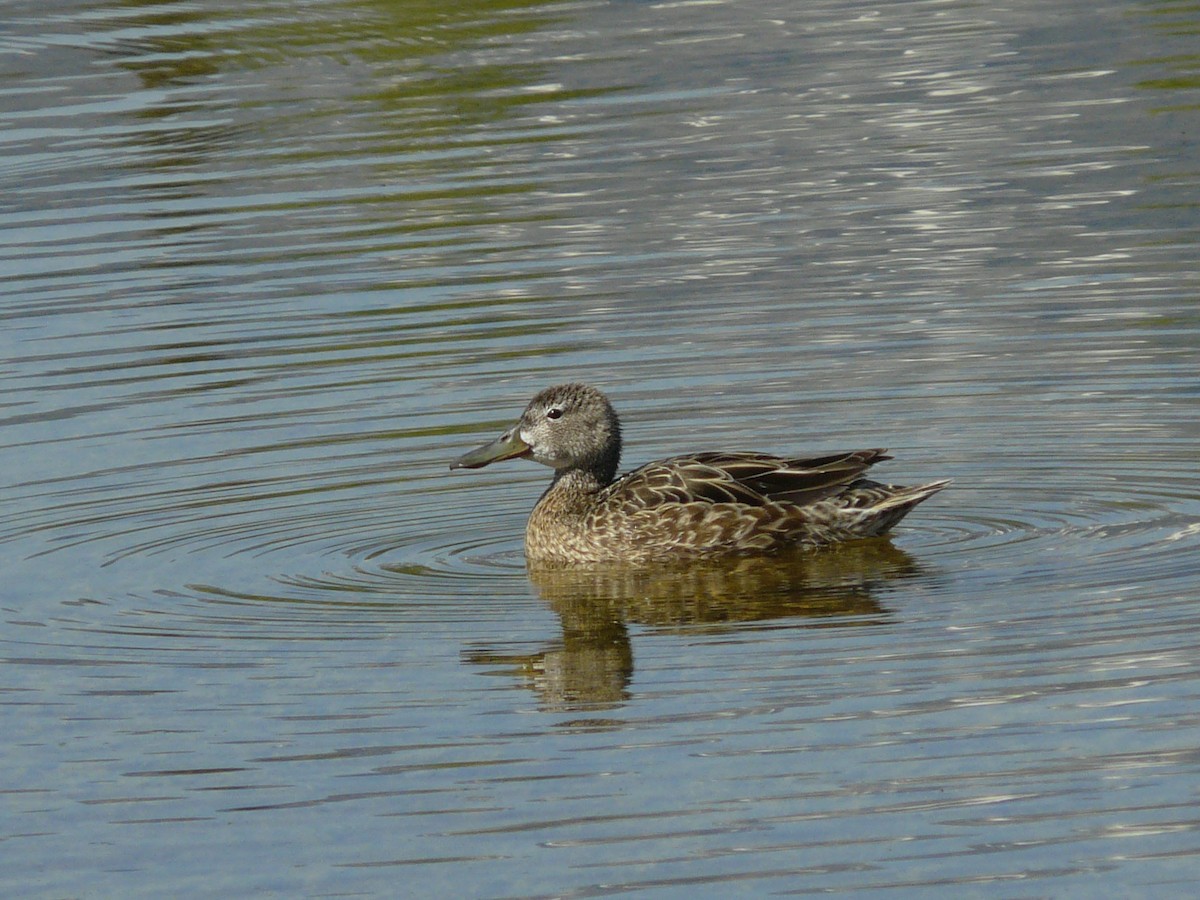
{"points": [[745, 478]]}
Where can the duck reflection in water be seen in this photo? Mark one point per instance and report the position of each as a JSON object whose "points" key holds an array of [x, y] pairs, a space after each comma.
{"points": [[591, 666]]}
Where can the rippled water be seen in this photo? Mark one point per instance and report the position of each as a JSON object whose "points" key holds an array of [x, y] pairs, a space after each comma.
{"points": [[267, 270]]}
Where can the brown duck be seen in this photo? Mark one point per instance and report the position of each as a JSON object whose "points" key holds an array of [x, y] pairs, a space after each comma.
{"points": [[701, 505]]}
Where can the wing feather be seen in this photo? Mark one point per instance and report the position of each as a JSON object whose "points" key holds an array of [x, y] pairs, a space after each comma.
{"points": [[749, 479]]}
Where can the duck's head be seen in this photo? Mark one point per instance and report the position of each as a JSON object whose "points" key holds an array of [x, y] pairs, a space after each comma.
{"points": [[568, 426]]}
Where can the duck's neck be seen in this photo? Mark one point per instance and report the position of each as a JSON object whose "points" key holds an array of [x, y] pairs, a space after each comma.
{"points": [[572, 492]]}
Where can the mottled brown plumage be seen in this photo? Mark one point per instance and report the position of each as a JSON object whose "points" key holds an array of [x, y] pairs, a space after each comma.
{"points": [[694, 506]]}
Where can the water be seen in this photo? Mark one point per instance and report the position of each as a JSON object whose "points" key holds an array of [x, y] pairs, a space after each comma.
{"points": [[267, 272]]}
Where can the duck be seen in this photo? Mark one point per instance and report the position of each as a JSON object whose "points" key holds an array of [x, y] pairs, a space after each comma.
{"points": [[702, 505]]}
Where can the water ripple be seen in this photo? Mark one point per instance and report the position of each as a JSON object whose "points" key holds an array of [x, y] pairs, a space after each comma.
{"points": [[266, 273]]}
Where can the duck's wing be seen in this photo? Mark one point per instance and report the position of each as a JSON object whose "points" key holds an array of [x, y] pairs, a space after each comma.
{"points": [[752, 479]]}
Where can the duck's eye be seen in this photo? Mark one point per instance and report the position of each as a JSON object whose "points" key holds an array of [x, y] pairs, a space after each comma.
{"points": [[554, 413]]}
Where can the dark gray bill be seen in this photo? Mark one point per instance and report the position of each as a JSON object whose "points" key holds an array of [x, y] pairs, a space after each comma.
{"points": [[508, 446]]}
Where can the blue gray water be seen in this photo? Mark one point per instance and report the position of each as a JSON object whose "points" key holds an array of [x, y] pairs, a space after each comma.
{"points": [[267, 268]]}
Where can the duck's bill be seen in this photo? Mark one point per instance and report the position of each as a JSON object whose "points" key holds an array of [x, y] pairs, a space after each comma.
{"points": [[508, 446]]}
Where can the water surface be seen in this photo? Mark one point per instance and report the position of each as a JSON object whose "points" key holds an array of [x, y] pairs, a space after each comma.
{"points": [[267, 271]]}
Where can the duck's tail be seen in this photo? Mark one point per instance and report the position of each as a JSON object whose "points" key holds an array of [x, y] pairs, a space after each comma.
{"points": [[883, 505]]}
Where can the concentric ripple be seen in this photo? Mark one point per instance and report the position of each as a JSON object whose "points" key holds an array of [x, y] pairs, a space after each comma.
{"points": [[348, 525]]}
